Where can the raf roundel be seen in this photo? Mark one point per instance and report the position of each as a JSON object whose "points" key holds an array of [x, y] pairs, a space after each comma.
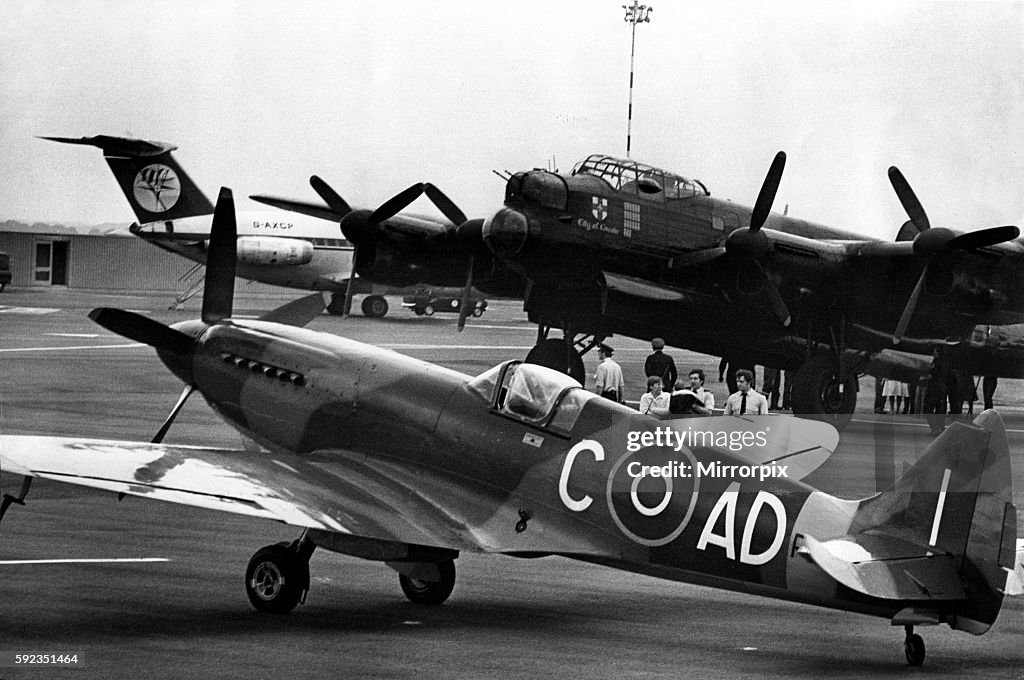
{"points": [[156, 188], [652, 511]]}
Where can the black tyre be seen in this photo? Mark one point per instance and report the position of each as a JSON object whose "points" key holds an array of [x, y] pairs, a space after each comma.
{"points": [[478, 311], [375, 306], [819, 393], [276, 579], [552, 353], [429, 310], [914, 649], [430, 592]]}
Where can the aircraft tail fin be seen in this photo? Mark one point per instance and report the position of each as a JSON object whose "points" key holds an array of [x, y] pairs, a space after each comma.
{"points": [[943, 538], [156, 186]]}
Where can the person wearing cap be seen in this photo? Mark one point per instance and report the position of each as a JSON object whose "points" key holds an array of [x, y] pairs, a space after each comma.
{"points": [[661, 365], [608, 380]]}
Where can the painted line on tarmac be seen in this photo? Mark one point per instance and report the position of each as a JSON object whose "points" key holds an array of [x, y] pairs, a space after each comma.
{"points": [[74, 347], [409, 345], [96, 560], [73, 335], [28, 310]]}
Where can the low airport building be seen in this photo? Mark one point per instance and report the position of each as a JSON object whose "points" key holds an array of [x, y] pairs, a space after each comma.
{"points": [[111, 262]]}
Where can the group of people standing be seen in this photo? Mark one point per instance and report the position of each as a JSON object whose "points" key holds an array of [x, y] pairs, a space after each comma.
{"points": [[944, 390], [668, 393]]}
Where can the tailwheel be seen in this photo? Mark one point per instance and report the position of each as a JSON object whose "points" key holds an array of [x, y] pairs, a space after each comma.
{"points": [[277, 579], [421, 591], [559, 355], [820, 392], [913, 646]]}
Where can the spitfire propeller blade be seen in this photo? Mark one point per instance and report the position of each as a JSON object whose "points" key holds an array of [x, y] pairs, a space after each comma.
{"points": [[221, 260], [464, 310], [162, 432], [142, 329]]}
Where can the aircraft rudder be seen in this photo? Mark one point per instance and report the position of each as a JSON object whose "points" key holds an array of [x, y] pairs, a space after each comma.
{"points": [[957, 500], [156, 186]]}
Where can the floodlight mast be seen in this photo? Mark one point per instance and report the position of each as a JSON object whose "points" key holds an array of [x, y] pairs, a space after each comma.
{"points": [[635, 14]]}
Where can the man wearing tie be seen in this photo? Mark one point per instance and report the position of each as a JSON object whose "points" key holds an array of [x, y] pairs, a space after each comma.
{"points": [[746, 400]]}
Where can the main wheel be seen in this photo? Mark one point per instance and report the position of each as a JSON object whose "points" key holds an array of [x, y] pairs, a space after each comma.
{"points": [[276, 579], [914, 649], [375, 306], [430, 592], [553, 354], [429, 310], [478, 311], [818, 392]]}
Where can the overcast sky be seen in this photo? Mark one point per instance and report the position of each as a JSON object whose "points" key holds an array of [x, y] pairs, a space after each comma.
{"points": [[373, 96]]}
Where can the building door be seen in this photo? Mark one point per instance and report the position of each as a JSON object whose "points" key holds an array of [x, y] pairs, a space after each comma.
{"points": [[51, 265]]}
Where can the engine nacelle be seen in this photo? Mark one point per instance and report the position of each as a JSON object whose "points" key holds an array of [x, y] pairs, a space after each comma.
{"points": [[273, 250]]}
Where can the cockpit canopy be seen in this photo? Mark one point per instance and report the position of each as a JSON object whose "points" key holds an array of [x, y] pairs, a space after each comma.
{"points": [[533, 394], [632, 177]]}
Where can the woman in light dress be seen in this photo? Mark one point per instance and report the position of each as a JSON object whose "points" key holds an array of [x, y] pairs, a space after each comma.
{"points": [[897, 394]]}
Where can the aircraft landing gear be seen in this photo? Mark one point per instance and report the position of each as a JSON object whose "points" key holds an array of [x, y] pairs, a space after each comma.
{"points": [[375, 306], [337, 304], [821, 391], [419, 584], [913, 647], [277, 578], [555, 353]]}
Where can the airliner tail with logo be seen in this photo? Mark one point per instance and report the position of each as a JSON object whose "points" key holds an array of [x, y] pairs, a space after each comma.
{"points": [[302, 251]]}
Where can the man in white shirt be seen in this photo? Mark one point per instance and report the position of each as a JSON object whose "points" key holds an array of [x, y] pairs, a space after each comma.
{"points": [[655, 401], [707, 399], [746, 400], [608, 380]]}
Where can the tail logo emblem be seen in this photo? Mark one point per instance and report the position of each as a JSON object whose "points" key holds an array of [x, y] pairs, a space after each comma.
{"points": [[157, 188]]}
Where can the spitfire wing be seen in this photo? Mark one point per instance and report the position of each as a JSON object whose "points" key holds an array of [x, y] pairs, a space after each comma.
{"points": [[272, 486]]}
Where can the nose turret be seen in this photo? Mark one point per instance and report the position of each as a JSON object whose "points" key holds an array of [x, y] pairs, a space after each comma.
{"points": [[505, 232]]}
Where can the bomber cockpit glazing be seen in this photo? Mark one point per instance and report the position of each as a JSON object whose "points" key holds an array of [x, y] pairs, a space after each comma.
{"points": [[625, 175]]}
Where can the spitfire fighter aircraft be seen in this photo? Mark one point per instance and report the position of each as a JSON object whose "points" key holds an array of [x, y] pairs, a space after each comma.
{"points": [[617, 246], [389, 458], [174, 214]]}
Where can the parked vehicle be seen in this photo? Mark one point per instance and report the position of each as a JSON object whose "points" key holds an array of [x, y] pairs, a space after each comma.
{"points": [[426, 303]]}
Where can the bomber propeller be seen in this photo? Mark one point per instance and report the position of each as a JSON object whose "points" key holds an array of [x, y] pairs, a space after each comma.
{"points": [[360, 227], [933, 243], [755, 246]]}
